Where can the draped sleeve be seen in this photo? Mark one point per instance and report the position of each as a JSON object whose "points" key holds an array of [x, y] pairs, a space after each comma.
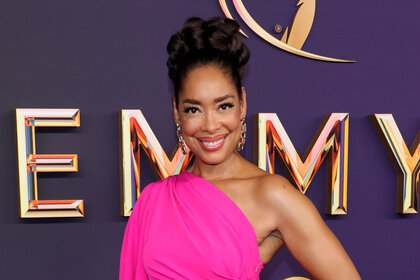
{"points": [[131, 264], [183, 228]]}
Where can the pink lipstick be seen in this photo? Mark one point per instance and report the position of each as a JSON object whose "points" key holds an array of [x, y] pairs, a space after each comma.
{"points": [[212, 144]]}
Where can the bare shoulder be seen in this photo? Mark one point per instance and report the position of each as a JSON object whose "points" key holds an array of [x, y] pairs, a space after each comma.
{"points": [[276, 188], [304, 232], [274, 182], [284, 201], [271, 188], [275, 194], [264, 180]]}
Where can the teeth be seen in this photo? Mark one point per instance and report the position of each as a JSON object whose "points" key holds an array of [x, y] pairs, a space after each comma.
{"points": [[211, 144]]}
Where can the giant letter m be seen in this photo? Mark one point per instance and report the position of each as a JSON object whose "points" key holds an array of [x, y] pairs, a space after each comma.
{"points": [[136, 135], [331, 138]]}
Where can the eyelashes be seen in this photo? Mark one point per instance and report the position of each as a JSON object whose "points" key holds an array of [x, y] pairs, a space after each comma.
{"points": [[222, 107], [226, 106], [190, 109]]}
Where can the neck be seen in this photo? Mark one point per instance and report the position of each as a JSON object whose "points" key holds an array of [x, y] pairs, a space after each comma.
{"points": [[226, 169]]}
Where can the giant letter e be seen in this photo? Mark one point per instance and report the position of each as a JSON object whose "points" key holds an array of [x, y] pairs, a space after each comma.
{"points": [[29, 163]]}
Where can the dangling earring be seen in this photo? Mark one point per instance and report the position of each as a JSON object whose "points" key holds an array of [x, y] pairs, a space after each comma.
{"points": [[241, 143], [181, 139]]}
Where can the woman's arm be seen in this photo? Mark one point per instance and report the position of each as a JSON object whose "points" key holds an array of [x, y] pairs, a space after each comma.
{"points": [[306, 235]]}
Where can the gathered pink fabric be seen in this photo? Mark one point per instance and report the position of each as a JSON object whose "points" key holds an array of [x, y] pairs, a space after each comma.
{"points": [[184, 227]]}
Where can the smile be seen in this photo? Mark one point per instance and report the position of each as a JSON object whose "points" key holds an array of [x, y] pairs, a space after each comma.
{"points": [[212, 144]]}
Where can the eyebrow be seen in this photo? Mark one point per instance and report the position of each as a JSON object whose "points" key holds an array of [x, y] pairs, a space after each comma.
{"points": [[221, 98], [191, 101], [216, 100]]}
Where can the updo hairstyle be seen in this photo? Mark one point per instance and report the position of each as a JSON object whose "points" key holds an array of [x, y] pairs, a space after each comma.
{"points": [[216, 42]]}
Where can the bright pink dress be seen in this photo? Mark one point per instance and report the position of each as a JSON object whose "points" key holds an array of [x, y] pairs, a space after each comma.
{"points": [[184, 227]]}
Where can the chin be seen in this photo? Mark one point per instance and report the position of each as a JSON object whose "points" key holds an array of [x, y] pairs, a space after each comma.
{"points": [[212, 158], [212, 162]]}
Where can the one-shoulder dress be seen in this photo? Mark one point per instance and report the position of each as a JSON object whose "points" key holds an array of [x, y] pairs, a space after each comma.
{"points": [[184, 227]]}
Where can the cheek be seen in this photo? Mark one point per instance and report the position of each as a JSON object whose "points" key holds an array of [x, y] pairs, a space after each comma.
{"points": [[234, 121], [233, 124], [190, 127]]}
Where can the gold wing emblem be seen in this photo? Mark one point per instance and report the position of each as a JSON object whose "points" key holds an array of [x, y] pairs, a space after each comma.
{"points": [[291, 41]]}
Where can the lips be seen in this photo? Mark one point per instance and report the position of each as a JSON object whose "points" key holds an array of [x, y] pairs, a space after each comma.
{"points": [[212, 144]]}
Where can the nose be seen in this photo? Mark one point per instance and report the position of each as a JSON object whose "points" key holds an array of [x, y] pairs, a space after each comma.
{"points": [[210, 123]]}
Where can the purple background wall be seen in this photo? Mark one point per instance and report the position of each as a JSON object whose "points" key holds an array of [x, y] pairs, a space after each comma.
{"points": [[103, 56]]}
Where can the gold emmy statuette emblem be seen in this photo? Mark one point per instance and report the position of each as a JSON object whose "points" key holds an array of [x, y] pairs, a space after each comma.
{"points": [[293, 38]]}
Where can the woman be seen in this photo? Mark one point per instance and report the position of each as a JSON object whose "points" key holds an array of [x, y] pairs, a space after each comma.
{"points": [[224, 218]]}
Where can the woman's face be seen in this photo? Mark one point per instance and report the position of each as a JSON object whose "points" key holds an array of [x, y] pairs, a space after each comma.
{"points": [[210, 112]]}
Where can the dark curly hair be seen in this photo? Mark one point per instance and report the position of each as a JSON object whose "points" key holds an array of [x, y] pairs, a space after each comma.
{"points": [[216, 41]]}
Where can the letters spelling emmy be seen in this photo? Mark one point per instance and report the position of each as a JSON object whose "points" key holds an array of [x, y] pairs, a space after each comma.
{"points": [[136, 136]]}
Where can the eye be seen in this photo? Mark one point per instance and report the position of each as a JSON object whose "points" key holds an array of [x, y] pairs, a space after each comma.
{"points": [[191, 110], [226, 106]]}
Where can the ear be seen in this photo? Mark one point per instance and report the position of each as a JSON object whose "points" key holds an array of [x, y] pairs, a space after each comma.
{"points": [[243, 103], [176, 113]]}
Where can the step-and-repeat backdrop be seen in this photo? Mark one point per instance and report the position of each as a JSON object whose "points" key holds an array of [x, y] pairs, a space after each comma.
{"points": [[86, 123]]}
